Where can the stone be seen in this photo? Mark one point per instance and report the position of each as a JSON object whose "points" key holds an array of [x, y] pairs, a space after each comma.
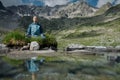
{"points": [[34, 45], [117, 47], [26, 47], [72, 47], [2, 46], [3, 49], [100, 48]]}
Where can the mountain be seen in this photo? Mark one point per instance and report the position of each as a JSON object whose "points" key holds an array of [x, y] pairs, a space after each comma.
{"points": [[78, 13], [52, 3], [103, 9], [1, 6], [77, 9], [68, 23], [8, 20], [4, 11], [113, 11]]}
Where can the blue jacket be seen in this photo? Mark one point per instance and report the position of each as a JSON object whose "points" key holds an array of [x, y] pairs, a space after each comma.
{"points": [[35, 30]]}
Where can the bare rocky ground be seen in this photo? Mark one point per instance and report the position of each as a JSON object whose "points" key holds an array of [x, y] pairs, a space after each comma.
{"points": [[27, 54]]}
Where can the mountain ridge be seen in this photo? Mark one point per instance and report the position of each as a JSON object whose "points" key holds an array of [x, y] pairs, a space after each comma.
{"points": [[78, 9], [64, 20], [1, 6]]}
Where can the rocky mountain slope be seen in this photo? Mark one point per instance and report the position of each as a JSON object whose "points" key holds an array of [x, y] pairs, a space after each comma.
{"points": [[3, 10], [103, 9], [76, 9], [8, 19], [66, 15]]}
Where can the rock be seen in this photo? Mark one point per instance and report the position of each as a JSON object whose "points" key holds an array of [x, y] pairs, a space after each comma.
{"points": [[26, 47], [90, 47], [34, 46], [4, 49], [96, 48], [72, 47], [2, 46], [100, 48], [117, 47]]}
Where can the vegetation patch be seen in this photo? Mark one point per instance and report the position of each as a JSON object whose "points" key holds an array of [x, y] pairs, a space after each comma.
{"points": [[84, 34], [18, 39], [15, 38]]}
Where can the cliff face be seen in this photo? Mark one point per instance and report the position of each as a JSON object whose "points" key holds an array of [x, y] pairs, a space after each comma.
{"points": [[1, 6], [77, 9], [103, 9]]}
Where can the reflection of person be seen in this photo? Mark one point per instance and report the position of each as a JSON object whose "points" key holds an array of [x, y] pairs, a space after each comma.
{"points": [[35, 29]]}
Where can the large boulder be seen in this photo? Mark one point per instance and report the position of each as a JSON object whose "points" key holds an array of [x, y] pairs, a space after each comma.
{"points": [[117, 48], [34, 45], [72, 47]]}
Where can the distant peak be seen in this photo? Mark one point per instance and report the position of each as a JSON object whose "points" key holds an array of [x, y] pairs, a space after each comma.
{"points": [[108, 4], [1, 6]]}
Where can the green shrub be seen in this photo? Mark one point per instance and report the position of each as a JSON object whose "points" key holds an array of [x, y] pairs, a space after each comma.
{"points": [[38, 39], [15, 38], [50, 39]]}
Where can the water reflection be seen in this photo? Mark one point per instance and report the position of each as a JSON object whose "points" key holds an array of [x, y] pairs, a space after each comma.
{"points": [[83, 68]]}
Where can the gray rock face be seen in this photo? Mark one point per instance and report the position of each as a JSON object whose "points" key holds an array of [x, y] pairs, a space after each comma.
{"points": [[72, 47], [34, 46], [117, 47], [27, 47], [70, 10], [1, 6], [78, 9]]}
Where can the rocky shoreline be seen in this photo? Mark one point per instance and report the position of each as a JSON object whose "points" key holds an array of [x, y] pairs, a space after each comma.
{"points": [[74, 50]]}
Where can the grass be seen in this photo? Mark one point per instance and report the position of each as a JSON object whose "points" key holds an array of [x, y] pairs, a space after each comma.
{"points": [[15, 38], [18, 39], [102, 34]]}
